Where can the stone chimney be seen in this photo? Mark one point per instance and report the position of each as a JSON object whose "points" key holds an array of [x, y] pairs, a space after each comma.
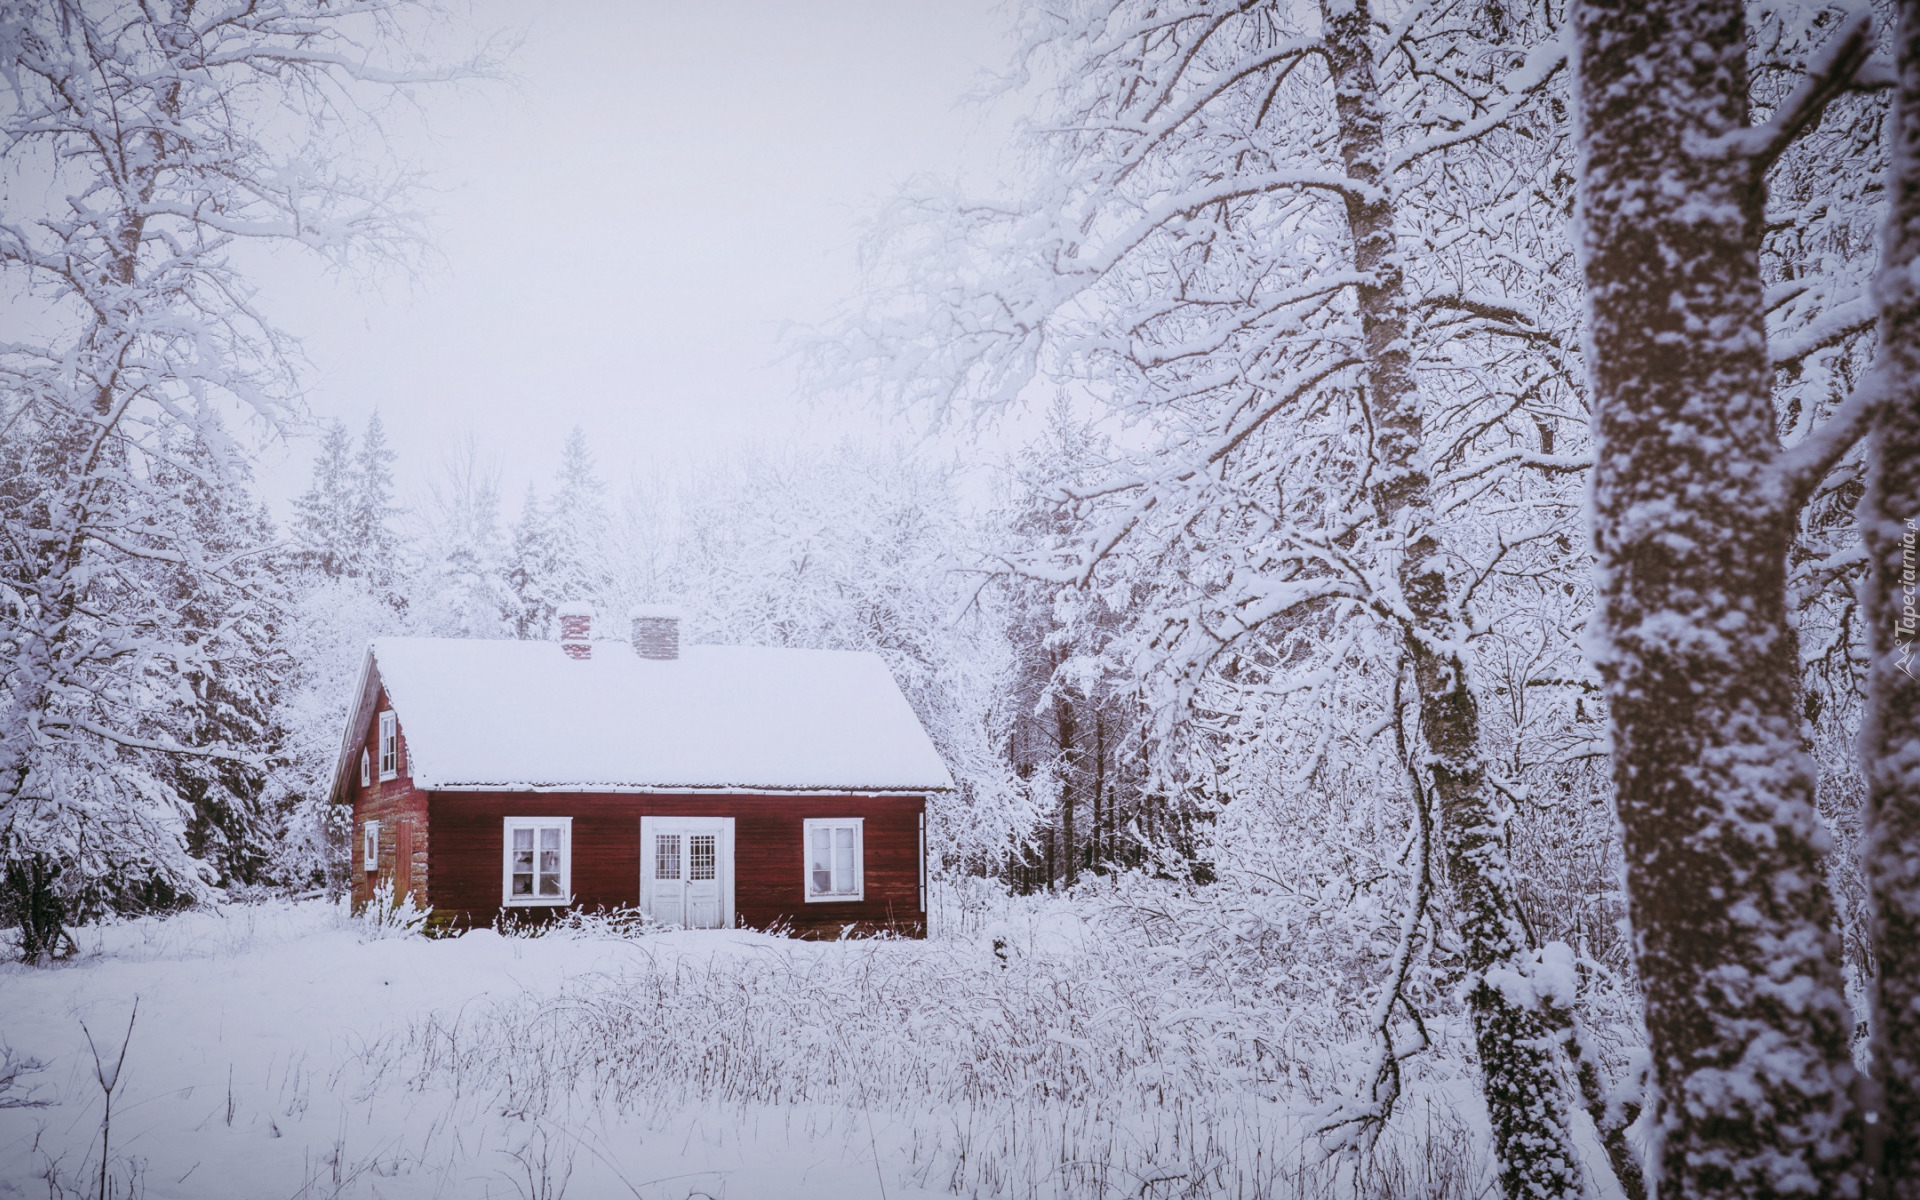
{"points": [[656, 631], [576, 628]]}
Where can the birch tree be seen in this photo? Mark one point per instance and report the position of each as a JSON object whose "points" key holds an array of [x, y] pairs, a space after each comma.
{"points": [[1221, 255], [1890, 739], [143, 144], [1695, 505]]}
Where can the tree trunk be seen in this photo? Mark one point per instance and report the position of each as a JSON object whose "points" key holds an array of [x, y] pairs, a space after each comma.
{"points": [[1521, 1081], [29, 900], [1095, 854], [1068, 735], [1733, 924], [1890, 738]]}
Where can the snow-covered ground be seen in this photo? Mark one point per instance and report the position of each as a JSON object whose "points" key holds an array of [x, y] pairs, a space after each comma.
{"points": [[285, 1050]]}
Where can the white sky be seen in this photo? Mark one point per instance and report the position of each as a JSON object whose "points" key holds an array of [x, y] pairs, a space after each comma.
{"points": [[624, 230]]}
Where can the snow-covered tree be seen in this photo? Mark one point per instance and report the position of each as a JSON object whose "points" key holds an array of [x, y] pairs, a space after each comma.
{"points": [[562, 547], [1697, 505], [1309, 263], [142, 145], [236, 620], [859, 549], [525, 569], [459, 587], [373, 513], [1076, 730], [345, 523], [1890, 739], [323, 515]]}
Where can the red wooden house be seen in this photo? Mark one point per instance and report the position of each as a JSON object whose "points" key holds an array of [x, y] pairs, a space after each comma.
{"points": [[712, 786]]}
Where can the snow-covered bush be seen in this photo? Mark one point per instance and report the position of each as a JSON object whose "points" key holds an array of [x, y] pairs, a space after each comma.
{"points": [[1125, 1036], [384, 917], [599, 924]]}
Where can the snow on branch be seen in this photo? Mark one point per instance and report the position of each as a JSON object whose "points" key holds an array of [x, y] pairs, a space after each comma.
{"points": [[1188, 204], [1831, 73], [1839, 323], [1798, 470], [164, 746], [1542, 64], [15, 1092], [1552, 464]]}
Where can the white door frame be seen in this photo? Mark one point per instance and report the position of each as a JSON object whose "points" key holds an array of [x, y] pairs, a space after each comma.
{"points": [[723, 826]]}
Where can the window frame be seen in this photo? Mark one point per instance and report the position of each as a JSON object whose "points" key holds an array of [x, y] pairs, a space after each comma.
{"points": [[507, 826], [858, 825], [370, 845], [366, 767], [389, 745]]}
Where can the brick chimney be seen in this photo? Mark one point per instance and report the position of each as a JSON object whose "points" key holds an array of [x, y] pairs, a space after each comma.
{"points": [[576, 628], [656, 631]]}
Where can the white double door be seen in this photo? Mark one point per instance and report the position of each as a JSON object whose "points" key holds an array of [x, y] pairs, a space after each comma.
{"points": [[686, 870]]}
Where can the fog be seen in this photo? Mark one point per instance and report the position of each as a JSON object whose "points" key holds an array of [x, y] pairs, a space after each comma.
{"points": [[623, 229]]}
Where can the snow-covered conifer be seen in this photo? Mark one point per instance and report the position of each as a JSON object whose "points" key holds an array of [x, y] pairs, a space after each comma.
{"points": [[526, 570], [373, 512], [561, 546], [143, 145], [460, 586], [323, 515]]}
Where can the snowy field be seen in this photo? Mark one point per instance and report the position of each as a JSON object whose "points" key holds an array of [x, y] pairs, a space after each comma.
{"points": [[286, 1050]]}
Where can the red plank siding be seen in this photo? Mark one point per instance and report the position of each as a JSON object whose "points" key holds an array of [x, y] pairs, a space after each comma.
{"points": [[397, 805], [464, 863]]}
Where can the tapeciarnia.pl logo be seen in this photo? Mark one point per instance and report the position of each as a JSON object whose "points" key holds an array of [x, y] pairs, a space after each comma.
{"points": [[1905, 623]]}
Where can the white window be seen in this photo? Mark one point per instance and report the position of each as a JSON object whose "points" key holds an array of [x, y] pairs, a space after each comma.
{"points": [[366, 768], [370, 846], [389, 746], [538, 866], [835, 866]]}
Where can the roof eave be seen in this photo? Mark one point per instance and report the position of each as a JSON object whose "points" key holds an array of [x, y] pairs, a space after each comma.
{"points": [[351, 734], [629, 789]]}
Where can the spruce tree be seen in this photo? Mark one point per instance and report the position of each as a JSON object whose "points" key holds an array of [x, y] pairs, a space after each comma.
{"points": [[373, 512], [323, 515], [527, 571]]}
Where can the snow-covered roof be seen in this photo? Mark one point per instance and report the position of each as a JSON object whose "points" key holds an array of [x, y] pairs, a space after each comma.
{"points": [[511, 716]]}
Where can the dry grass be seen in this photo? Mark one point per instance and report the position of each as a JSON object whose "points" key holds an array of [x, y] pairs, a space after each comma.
{"points": [[1086, 1061]]}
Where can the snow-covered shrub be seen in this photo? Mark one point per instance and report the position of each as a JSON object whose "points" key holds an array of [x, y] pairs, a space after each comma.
{"points": [[384, 917], [16, 1090], [621, 923], [1129, 1034]]}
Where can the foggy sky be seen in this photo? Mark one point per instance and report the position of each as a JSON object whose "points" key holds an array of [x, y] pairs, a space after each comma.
{"points": [[623, 229]]}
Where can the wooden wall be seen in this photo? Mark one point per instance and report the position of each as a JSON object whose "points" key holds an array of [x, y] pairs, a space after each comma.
{"points": [[401, 810], [464, 863]]}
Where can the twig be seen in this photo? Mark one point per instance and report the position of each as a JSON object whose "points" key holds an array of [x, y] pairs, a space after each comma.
{"points": [[109, 1080], [1827, 76]]}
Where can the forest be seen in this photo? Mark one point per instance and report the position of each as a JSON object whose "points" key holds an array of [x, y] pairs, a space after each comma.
{"points": [[1406, 546]]}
